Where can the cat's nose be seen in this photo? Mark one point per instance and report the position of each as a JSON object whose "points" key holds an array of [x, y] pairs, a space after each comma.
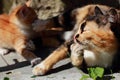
{"points": [[76, 37]]}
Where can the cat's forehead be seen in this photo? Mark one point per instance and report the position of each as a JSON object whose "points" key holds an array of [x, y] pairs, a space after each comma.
{"points": [[89, 24], [93, 25]]}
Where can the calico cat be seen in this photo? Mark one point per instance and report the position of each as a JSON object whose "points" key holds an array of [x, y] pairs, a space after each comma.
{"points": [[16, 31], [96, 41], [95, 33]]}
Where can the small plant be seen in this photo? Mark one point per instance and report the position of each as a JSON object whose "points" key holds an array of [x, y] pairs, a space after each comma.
{"points": [[94, 73]]}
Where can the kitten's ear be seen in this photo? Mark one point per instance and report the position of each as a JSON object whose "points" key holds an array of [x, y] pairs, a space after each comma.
{"points": [[98, 11], [112, 15], [23, 10]]}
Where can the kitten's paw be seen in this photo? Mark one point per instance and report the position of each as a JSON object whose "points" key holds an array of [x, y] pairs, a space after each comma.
{"points": [[35, 61], [30, 45], [4, 51], [39, 69]]}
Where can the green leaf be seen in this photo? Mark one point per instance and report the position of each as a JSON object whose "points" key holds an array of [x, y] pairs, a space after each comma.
{"points": [[84, 77], [99, 72], [6, 78], [91, 72], [33, 76], [96, 72]]}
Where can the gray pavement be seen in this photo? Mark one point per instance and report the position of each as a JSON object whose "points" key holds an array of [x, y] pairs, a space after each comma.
{"points": [[15, 67]]}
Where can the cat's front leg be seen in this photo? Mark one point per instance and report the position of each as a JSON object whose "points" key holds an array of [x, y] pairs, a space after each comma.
{"points": [[77, 53], [48, 63]]}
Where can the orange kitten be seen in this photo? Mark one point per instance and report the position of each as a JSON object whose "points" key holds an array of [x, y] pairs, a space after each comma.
{"points": [[16, 31]]}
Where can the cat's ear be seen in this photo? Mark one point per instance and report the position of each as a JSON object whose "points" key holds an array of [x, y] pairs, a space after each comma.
{"points": [[112, 15], [98, 11]]}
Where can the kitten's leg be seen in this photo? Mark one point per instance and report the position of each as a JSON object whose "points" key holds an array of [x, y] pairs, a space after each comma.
{"points": [[48, 63], [25, 49], [4, 51]]}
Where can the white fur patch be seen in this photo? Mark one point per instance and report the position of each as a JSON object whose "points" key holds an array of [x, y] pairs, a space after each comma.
{"points": [[89, 57], [68, 35], [102, 59]]}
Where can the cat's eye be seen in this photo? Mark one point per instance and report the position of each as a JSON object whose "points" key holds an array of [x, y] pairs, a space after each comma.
{"points": [[76, 36], [82, 27]]}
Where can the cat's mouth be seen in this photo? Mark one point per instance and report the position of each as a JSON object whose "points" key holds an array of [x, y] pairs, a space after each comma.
{"points": [[79, 42]]}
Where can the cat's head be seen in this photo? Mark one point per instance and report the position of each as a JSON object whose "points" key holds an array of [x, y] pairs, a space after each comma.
{"points": [[23, 14], [98, 32]]}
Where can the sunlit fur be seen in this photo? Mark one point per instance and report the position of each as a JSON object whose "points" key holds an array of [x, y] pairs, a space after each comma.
{"points": [[14, 30], [95, 40], [80, 15], [23, 17], [99, 45]]}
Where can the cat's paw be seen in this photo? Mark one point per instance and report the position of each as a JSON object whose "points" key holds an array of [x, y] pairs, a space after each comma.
{"points": [[77, 49], [30, 45], [77, 54], [39, 69], [4, 51], [35, 61]]}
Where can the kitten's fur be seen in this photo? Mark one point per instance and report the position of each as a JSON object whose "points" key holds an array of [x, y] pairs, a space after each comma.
{"points": [[16, 31], [79, 16]]}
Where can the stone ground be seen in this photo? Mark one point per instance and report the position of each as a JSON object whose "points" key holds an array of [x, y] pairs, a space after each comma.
{"points": [[15, 67]]}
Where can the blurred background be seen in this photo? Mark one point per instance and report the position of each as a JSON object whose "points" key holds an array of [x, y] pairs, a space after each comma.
{"points": [[50, 8]]}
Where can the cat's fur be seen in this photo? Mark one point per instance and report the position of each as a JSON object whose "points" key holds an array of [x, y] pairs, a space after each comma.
{"points": [[16, 31], [96, 41], [101, 35]]}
